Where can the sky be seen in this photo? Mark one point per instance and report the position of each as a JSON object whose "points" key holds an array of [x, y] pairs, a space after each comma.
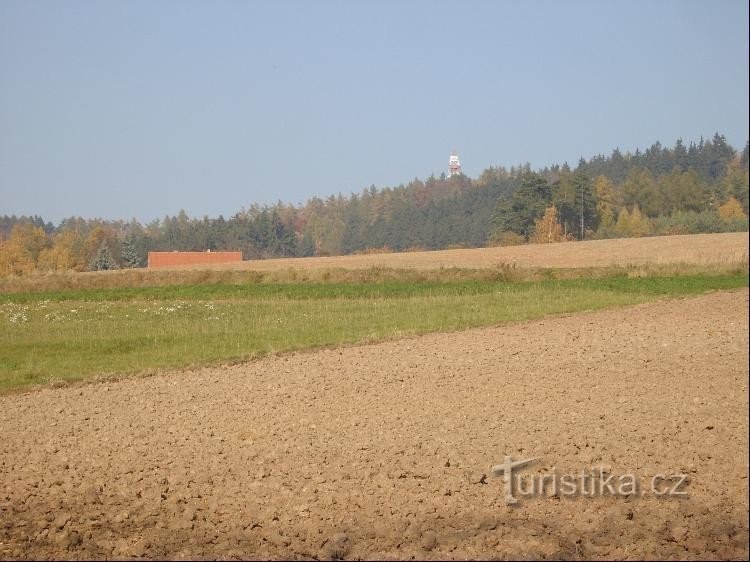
{"points": [[140, 108]]}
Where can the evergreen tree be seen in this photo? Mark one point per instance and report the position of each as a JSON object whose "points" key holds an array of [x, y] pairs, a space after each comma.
{"points": [[618, 167], [307, 245], [103, 259], [680, 155], [564, 199], [719, 156], [518, 212], [129, 253]]}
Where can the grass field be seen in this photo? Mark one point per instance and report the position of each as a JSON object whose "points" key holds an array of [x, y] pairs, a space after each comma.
{"points": [[50, 337]]}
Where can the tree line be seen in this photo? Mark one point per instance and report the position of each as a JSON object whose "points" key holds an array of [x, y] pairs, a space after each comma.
{"points": [[702, 187]]}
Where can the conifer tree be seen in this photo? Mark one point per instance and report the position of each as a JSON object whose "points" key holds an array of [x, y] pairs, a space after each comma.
{"points": [[103, 259], [130, 257]]}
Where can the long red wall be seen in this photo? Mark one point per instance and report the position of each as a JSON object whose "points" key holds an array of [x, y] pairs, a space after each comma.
{"points": [[164, 259]]}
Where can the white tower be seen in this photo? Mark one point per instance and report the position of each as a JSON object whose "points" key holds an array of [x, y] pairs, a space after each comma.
{"points": [[454, 165]]}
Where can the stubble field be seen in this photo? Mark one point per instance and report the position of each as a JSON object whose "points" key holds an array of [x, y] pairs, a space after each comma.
{"points": [[694, 248]]}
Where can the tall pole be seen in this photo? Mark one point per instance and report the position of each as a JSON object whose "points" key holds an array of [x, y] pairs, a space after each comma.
{"points": [[583, 231]]}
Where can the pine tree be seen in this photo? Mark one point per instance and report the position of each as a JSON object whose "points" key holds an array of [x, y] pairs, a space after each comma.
{"points": [[680, 155], [307, 246], [103, 259], [518, 212], [130, 257]]}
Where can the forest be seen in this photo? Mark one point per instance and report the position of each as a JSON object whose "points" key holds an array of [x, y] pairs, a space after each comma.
{"points": [[701, 187]]}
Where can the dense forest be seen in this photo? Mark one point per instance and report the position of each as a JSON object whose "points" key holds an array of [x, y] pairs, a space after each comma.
{"points": [[702, 187]]}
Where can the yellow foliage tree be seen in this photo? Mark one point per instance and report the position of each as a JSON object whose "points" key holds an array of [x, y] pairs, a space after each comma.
{"points": [[62, 255], [548, 229], [606, 200], [19, 254], [14, 259], [732, 209], [633, 223]]}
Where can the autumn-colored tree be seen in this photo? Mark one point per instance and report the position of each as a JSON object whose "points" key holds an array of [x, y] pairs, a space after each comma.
{"points": [[606, 200], [32, 238], [633, 223], [19, 254], [14, 259], [623, 222], [61, 256], [732, 209], [548, 229], [640, 225], [735, 184]]}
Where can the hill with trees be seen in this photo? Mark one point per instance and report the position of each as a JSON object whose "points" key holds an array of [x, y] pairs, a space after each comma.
{"points": [[702, 187]]}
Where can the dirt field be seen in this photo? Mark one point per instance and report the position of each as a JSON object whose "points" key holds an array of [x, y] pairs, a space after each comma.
{"points": [[695, 248], [384, 450]]}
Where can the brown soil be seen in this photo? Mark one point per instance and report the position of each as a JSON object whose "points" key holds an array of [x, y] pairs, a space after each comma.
{"points": [[695, 248], [383, 451]]}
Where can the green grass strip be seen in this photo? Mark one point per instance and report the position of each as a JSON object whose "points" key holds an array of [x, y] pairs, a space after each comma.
{"points": [[386, 289], [73, 335]]}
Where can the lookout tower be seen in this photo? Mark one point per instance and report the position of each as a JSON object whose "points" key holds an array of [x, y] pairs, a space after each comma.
{"points": [[454, 165]]}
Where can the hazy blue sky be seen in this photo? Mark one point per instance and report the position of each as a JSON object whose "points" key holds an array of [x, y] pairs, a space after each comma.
{"points": [[140, 108]]}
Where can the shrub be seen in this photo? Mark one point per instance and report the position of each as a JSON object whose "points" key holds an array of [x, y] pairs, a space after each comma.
{"points": [[506, 239]]}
